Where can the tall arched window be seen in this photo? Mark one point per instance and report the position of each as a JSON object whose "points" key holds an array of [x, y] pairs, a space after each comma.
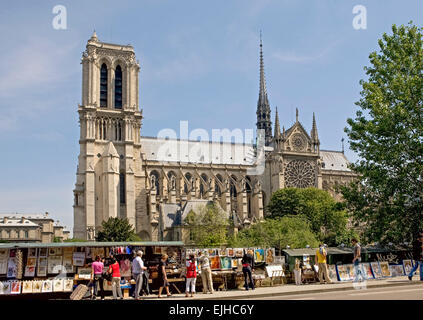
{"points": [[122, 187], [118, 88], [103, 85]]}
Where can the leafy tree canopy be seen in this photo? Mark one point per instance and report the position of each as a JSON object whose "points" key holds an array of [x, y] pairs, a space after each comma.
{"points": [[387, 134], [116, 229]]}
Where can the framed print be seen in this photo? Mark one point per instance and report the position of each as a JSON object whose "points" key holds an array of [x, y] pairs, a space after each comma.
{"points": [[12, 253], [79, 259], [54, 264], [68, 285], [270, 255], [351, 271], [67, 263], [238, 252], [32, 252], [43, 252], [37, 286], [84, 273], [408, 266], [47, 286], [58, 285], [6, 287], [397, 270], [384, 266], [259, 255], [15, 287], [306, 261], [3, 266], [157, 250], [343, 272], [212, 252], [225, 263], [12, 268], [27, 286], [229, 252], [367, 270], [51, 251], [377, 271], [68, 251], [42, 267], [280, 260], [4, 253], [234, 263], [332, 273], [30, 267], [125, 268], [215, 262]]}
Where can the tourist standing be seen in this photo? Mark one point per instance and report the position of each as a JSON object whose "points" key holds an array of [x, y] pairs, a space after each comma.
{"points": [[321, 255], [115, 271], [162, 277], [191, 275], [137, 273], [297, 272], [417, 257], [357, 259], [206, 275], [97, 277], [247, 269]]}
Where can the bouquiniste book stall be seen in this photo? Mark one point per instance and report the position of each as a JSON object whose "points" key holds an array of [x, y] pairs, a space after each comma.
{"points": [[57, 268]]}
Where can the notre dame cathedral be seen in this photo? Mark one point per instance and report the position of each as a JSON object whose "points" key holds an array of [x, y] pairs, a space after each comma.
{"points": [[123, 174]]}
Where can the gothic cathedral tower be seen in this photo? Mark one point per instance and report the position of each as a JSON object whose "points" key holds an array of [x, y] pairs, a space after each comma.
{"points": [[109, 162]]}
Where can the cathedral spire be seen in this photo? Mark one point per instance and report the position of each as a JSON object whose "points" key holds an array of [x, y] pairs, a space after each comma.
{"points": [[263, 107], [314, 135], [277, 133]]}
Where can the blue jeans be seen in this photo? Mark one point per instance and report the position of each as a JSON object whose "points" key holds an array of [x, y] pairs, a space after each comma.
{"points": [[248, 276], [358, 271], [416, 265]]}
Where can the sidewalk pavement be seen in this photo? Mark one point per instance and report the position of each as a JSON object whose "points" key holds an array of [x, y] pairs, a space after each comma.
{"points": [[292, 289]]}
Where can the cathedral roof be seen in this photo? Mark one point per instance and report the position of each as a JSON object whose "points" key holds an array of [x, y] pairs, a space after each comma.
{"points": [[201, 152], [334, 160]]}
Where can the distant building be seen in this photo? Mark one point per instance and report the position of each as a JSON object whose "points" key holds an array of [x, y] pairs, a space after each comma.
{"points": [[31, 228]]}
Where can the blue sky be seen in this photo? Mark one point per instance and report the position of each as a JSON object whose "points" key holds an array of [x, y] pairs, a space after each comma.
{"points": [[199, 62]]}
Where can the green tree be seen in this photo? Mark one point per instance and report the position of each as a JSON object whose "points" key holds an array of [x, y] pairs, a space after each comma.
{"points": [[328, 219], [280, 232], [209, 227], [116, 229], [387, 135]]}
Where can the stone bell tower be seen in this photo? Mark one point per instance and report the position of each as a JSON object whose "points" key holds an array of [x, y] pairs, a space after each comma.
{"points": [[109, 162]]}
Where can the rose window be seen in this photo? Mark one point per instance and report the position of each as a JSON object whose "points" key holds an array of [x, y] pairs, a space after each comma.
{"points": [[299, 174]]}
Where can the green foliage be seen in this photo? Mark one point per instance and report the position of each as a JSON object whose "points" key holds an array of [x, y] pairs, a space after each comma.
{"points": [[57, 239], [116, 229], [279, 232], [387, 134], [209, 227], [328, 219]]}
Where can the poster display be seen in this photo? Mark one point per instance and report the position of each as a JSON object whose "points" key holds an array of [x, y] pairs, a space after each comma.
{"points": [[258, 255], [344, 272], [397, 270], [408, 266], [332, 273], [238, 252], [270, 255], [27, 286], [79, 259], [4, 255], [377, 272], [367, 271], [15, 287], [12, 267], [42, 266], [54, 264], [384, 266], [215, 262], [225, 263], [30, 267]]}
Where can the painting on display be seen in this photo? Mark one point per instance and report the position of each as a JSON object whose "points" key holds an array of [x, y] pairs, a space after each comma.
{"points": [[367, 270], [51, 251], [12, 267], [125, 268], [408, 266], [377, 271], [30, 267], [343, 272], [58, 285], [225, 263], [280, 260], [384, 266], [32, 252], [78, 259], [67, 263], [212, 252], [230, 252], [351, 271], [270, 255], [15, 287], [333, 276], [234, 263], [68, 285], [54, 264], [43, 252], [12, 253], [47, 286], [37, 286], [397, 270], [84, 273], [42, 267], [4, 255], [157, 250], [306, 261], [5, 287], [215, 263], [27, 286], [258, 255], [238, 252]]}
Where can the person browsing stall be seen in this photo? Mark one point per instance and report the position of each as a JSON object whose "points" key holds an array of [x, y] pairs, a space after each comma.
{"points": [[137, 273]]}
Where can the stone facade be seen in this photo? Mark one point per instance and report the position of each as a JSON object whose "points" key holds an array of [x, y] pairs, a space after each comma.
{"points": [[153, 182]]}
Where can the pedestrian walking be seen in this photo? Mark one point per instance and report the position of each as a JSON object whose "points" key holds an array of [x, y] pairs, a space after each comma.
{"points": [[417, 257], [114, 270], [248, 269], [297, 272], [206, 275], [97, 277], [162, 277], [191, 275], [137, 273], [321, 255], [357, 259]]}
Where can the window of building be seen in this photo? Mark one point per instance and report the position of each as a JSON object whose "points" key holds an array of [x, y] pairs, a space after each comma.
{"points": [[26, 234], [118, 88], [103, 85], [122, 188]]}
